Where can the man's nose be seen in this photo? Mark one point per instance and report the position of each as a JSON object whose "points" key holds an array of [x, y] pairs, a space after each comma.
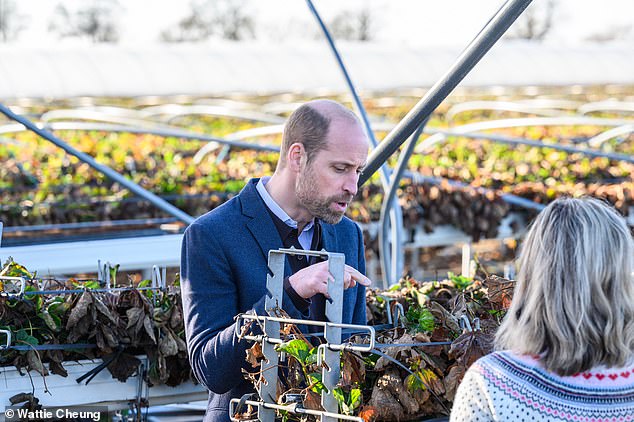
{"points": [[350, 184]]}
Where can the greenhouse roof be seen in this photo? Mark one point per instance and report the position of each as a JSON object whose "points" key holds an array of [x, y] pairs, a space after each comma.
{"points": [[168, 69]]}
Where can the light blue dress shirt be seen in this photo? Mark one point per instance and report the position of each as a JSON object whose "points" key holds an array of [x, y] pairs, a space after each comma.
{"points": [[306, 236]]}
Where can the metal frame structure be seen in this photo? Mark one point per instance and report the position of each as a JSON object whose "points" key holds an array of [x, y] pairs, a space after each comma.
{"points": [[328, 353], [268, 334], [409, 129]]}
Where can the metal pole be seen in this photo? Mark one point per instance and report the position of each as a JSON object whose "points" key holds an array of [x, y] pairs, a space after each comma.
{"points": [[160, 203], [391, 259], [395, 214], [480, 45]]}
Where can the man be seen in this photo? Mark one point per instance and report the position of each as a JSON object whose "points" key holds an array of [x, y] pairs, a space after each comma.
{"points": [[224, 254]]}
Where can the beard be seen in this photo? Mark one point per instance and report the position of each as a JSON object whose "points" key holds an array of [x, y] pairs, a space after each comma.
{"points": [[318, 205]]}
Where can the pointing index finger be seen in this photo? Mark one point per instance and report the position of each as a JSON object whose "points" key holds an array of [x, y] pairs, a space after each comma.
{"points": [[358, 277]]}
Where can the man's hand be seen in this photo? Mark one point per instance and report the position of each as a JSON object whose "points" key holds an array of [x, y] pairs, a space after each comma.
{"points": [[314, 279]]}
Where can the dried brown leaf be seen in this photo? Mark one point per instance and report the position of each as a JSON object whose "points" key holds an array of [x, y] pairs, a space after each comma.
{"points": [[80, 329], [383, 399], [57, 369], [79, 310], [167, 344], [176, 319], [470, 346], [444, 317], [109, 335], [124, 366], [353, 371], [254, 355], [500, 291], [452, 380], [134, 315], [35, 363], [149, 328], [103, 309], [21, 397], [313, 401]]}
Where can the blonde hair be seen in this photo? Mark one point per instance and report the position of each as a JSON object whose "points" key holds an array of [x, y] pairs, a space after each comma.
{"points": [[574, 300]]}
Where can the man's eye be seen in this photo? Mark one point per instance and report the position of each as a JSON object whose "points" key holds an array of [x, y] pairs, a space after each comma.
{"points": [[340, 169]]}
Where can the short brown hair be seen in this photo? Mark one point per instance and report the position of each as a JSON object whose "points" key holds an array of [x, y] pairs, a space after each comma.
{"points": [[308, 127]]}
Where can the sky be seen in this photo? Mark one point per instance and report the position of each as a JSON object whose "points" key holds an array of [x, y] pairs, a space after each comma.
{"points": [[416, 22]]}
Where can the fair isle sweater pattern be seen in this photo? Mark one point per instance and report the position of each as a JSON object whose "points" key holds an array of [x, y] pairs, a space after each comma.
{"points": [[601, 395]]}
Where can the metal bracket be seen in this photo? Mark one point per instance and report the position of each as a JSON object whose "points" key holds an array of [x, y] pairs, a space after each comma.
{"points": [[399, 311], [465, 325], [103, 272], [159, 276], [276, 340], [22, 281], [8, 342], [267, 389], [293, 408], [399, 315]]}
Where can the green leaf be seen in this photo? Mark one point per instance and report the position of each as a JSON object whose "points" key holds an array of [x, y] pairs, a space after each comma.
{"points": [[22, 337], [297, 348], [421, 298], [58, 307], [459, 281], [355, 398], [13, 269], [92, 284], [339, 396], [144, 283], [426, 321], [312, 356], [315, 380], [413, 382], [113, 274], [52, 321]]}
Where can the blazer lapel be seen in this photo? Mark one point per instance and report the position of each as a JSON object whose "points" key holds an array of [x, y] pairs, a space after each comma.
{"points": [[329, 240], [259, 221]]}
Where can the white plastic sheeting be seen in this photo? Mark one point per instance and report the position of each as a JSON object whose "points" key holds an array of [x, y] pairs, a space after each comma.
{"points": [[166, 69]]}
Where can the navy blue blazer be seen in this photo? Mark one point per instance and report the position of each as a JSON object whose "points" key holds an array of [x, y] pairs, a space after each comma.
{"points": [[223, 273]]}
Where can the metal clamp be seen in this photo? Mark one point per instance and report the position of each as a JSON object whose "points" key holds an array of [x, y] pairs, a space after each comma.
{"points": [[8, 342], [465, 325], [103, 272], [399, 315], [399, 311], [241, 320], [292, 408], [159, 276], [22, 281]]}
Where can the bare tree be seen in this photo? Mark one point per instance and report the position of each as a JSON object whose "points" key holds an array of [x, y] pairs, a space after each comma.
{"points": [[193, 27], [619, 32], [11, 22], [96, 21], [226, 19], [535, 23], [353, 25]]}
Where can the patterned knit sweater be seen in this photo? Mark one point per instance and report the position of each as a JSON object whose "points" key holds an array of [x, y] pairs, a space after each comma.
{"points": [[504, 386]]}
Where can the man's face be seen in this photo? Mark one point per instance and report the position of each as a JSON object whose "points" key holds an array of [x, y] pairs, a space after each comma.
{"points": [[327, 184]]}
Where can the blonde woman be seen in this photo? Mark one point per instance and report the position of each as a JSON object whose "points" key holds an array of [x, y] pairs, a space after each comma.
{"points": [[565, 350]]}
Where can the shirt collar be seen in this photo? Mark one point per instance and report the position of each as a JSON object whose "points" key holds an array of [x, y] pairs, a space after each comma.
{"points": [[275, 208]]}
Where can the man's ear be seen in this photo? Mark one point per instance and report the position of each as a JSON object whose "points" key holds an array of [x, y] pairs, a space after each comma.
{"points": [[295, 157]]}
